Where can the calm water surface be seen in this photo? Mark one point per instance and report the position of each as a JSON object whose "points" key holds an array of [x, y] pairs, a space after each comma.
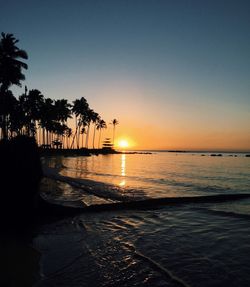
{"points": [[189, 245], [163, 174]]}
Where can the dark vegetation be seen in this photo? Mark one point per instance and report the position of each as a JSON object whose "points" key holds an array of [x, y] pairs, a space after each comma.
{"points": [[31, 124], [21, 172], [35, 115]]}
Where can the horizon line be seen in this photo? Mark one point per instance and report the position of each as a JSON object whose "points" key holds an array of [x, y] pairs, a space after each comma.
{"points": [[191, 150]]}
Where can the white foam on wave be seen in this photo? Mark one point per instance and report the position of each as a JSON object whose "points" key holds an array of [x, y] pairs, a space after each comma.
{"points": [[107, 191]]}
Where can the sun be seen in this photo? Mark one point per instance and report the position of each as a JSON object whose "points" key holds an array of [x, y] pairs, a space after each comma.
{"points": [[123, 143]]}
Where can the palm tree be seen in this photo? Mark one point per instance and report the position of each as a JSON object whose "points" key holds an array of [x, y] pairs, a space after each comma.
{"points": [[68, 134], [62, 113], [10, 72], [80, 109], [17, 119], [101, 124], [59, 130], [83, 131], [10, 64], [95, 118], [32, 104], [62, 110], [114, 123], [7, 106], [90, 116], [46, 119]]}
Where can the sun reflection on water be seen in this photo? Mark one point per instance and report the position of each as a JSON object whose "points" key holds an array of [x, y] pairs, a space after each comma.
{"points": [[122, 183], [123, 169], [123, 165]]}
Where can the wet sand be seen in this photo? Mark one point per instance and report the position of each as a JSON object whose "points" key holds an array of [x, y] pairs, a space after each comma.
{"points": [[181, 245], [195, 243]]}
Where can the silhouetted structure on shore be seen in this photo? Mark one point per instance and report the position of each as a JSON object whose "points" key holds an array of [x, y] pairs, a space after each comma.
{"points": [[34, 115], [107, 145]]}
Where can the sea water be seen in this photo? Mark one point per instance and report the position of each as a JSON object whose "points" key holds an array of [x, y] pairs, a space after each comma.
{"points": [[162, 174], [205, 244]]}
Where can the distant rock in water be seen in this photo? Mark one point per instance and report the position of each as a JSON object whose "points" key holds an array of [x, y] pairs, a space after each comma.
{"points": [[214, 154], [247, 155], [21, 172], [177, 151]]}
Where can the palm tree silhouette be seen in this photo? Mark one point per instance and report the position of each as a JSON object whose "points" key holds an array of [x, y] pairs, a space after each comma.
{"points": [[10, 64], [68, 134], [62, 114], [31, 104], [101, 124], [89, 117], [7, 107], [10, 71], [80, 109], [95, 118], [34, 115], [114, 123], [46, 119], [62, 110], [83, 132], [17, 118]]}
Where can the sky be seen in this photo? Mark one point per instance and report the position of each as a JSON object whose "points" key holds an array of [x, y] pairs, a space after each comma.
{"points": [[176, 74]]}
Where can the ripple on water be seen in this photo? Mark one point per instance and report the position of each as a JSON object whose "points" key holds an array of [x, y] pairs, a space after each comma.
{"points": [[147, 248]]}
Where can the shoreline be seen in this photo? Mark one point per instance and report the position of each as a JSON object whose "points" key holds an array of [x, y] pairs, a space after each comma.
{"points": [[85, 152], [90, 152], [111, 201], [70, 244], [72, 239]]}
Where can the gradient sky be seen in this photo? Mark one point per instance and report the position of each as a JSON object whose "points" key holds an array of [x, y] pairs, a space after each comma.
{"points": [[176, 74]]}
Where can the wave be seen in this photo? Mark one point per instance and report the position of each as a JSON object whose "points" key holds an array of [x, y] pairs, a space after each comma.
{"points": [[104, 190], [225, 213], [163, 183], [156, 202], [196, 186], [157, 266], [124, 201], [107, 191]]}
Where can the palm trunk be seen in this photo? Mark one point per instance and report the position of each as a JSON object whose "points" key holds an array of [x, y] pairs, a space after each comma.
{"points": [[99, 138], [82, 139], [94, 137], [73, 140], [47, 137], [114, 135], [78, 136], [43, 135], [87, 137]]}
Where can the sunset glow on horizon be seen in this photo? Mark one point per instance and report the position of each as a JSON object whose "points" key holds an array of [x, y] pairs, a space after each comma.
{"points": [[123, 143], [162, 68]]}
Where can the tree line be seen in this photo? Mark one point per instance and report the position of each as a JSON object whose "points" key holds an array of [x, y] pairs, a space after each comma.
{"points": [[34, 115]]}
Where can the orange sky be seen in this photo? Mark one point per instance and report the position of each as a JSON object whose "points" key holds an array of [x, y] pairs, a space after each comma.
{"points": [[173, 118], [151, 137], [175, 74], [206, 124]]}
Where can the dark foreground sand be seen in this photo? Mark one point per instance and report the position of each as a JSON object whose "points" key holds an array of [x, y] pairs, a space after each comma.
{"points": [[108, 248]]}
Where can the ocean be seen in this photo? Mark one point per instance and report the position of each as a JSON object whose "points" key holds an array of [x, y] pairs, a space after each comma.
{"points": [[191, 244]]}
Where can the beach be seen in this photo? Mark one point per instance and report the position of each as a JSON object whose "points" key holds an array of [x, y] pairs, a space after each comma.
{"points": [[189, 244], [125, 143]]}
